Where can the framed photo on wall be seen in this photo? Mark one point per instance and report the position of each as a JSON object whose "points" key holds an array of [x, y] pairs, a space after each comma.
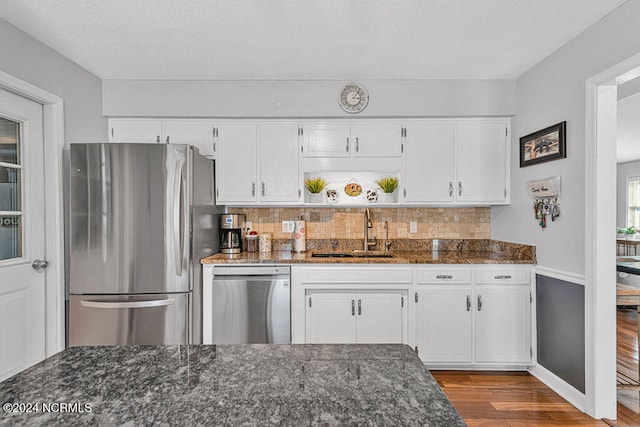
{"points": [[544, 145]]}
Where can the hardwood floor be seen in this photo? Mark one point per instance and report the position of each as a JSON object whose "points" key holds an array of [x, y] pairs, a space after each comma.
{"points": [[518, 399]]}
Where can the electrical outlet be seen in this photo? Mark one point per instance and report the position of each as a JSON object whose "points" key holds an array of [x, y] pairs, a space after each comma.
{"points": [[413, 226], [248, 225], [288, 226]]}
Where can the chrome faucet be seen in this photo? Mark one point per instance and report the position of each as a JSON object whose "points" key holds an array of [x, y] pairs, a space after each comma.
{"points": [[367, 225]]}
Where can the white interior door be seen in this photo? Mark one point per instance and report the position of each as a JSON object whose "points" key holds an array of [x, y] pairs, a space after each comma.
{"points": [[22, 234]]}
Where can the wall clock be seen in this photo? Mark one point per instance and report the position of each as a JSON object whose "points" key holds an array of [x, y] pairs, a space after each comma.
{"points": [[353, 98]]}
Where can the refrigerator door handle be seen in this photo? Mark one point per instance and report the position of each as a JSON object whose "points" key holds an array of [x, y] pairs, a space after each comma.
{"points": [[127, 304], [178, 189]]}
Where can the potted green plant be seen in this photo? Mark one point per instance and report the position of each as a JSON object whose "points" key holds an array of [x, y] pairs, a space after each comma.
{"points": [[314, 187], [628, 232], [388, 185]]}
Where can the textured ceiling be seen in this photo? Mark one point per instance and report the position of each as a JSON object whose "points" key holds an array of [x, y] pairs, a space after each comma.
{"points": [[301, 40], [628, 148]]}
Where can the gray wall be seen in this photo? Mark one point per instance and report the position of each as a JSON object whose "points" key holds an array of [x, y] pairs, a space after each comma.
{"points": [[397, 98], [549, 93], [560, 313], [27, 59], [625, 170]]}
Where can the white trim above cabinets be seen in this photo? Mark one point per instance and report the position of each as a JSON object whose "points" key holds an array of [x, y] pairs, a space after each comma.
{"points": [[439, 162]]}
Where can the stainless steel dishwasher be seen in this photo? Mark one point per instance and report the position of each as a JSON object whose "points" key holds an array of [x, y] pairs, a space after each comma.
{"points": [[247, 305]]}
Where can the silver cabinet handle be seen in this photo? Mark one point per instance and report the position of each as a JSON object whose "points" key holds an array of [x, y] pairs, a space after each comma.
{"points": [[157, 139], [353, 307], [444, 276], [416, 297], [39, 264], [253, 188], [450, 188], [359, 307], [404, 192], [127, 304], [263, 188], [479, 302], [505, 276], [468, 302], [357, 145], [459, 188], [167, 139], [347, 144]]}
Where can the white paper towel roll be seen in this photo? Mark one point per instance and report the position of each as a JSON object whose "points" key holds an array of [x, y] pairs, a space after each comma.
{"points": [[299, 237]]}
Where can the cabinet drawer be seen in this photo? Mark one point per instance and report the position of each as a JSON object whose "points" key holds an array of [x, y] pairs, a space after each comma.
{"points": [[504, 276], [349, 275], [439, 276]]}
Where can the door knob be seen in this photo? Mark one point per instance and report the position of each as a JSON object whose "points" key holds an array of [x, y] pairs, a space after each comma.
{"points": [[39, 264]]}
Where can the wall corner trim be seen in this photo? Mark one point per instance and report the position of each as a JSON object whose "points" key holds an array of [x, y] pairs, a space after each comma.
{"points": [[567, 276], [557, 384]]}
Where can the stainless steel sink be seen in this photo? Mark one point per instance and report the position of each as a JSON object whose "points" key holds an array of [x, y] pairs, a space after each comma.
{"points": [[354, 254]]}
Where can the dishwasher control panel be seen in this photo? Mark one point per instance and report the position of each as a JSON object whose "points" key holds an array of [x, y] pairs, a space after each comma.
{"points": [[251, 271]]}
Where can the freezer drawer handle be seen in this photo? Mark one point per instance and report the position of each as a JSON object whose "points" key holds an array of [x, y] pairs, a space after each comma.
{"points": [[128, 304]]}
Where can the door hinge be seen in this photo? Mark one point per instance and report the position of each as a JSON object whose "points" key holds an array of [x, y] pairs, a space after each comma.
{"points": [[416, 297], [401, 301], [309, 302]]}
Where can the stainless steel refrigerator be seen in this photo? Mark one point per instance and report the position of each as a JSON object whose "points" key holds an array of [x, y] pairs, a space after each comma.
{"points": [[139, 218]]}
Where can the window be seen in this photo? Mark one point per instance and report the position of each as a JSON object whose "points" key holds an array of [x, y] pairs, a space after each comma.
{"points": [[10, 190], [633, 202]]}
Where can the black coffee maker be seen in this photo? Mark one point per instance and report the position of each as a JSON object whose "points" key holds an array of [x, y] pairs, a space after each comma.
{"points": [[231, 230]]}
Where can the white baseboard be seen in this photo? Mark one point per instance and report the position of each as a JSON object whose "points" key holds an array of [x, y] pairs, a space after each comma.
{"points": [[560, 386]]}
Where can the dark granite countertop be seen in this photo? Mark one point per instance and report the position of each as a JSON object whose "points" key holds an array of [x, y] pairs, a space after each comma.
{"points": [[404, 251], [628, 264], [253, 384]]}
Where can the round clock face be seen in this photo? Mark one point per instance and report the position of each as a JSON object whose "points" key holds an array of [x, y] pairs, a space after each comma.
{"points": [[354, 98]]}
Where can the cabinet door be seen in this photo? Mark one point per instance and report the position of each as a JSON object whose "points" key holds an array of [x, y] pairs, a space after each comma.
{"points": [[444, 319], [481, 161], [330, 317], [236, 167], [377, 139], [325, 140], [429, 162], [278, 148], [503, 326], [198, 134], [139, 131], [380, 317]]}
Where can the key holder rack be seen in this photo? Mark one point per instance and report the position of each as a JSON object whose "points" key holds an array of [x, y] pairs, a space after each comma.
{"points": [[546, 199]]}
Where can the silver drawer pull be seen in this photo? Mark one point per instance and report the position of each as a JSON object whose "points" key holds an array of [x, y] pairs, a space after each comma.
{"points": [[444, 276], [127, 304], [468, 302], [505, 276]]}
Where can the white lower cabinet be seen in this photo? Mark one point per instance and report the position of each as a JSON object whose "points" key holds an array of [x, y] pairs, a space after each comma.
{"points": [[485, 322], [347, 316], [444, 329], [502, 328]]}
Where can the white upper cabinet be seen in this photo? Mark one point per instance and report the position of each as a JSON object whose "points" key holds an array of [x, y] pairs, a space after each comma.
{"points": [[236, 162], [429, 163], [481, 165], [137, 131], [199, 134], [461, 161], [278, 162], [325, 139], [377, 139]]}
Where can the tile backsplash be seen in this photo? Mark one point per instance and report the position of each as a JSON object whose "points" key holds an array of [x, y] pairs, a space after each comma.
{"points": [[347, 223]]}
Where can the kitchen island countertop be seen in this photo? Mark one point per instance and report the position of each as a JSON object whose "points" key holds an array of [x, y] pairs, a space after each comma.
{"points": [[229, 385]]}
